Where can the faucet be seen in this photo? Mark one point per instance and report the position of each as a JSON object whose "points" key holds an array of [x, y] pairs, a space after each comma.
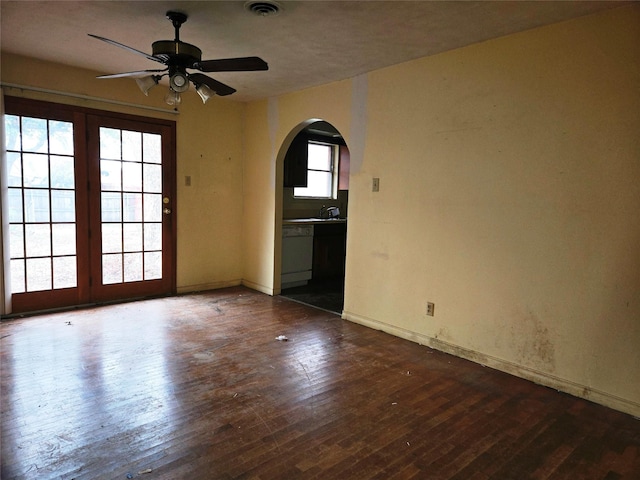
{"points": [[329, 212]]}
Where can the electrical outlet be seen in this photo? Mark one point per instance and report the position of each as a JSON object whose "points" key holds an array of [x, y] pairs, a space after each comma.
{"points": [[375, 186], [430, 309]]}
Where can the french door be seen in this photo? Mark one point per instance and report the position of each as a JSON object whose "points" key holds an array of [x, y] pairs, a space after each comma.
{"points": [[90, 205]]}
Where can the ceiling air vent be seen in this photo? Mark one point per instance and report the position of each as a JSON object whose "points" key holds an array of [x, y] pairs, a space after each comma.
{"points": [[264, 9]]}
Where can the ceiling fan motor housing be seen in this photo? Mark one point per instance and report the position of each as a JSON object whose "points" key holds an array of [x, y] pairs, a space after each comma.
{"points": [[176, 53]]}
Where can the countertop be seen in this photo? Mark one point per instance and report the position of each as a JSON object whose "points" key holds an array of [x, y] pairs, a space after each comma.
{"points": [[311, 221]]}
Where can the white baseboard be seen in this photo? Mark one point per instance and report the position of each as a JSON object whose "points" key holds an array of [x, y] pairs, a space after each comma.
{"points": [[259, 287], [225, 284], [536, 376], [208, 286]]}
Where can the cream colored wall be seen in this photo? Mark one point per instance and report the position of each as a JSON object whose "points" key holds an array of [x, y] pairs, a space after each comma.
{"points": [[509, 197], [259, 195], [209, 149], [210, 210], [270, 126]]}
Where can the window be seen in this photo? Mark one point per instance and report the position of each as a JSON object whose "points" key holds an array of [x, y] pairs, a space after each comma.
{"points": [[321, 172]]}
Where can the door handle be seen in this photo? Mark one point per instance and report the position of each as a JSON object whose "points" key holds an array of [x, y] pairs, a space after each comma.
{"points": [[166, 211]]}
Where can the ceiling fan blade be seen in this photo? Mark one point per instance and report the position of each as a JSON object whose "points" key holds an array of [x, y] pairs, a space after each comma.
{"points": [[132, 74], [132, 50], [242, 64], [218, 87]]}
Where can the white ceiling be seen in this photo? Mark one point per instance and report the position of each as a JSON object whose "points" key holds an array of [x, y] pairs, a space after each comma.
{"points": [[308, 43]]}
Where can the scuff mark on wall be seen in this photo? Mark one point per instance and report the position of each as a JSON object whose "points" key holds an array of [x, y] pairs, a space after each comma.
{"points": [[272, 121], [381, 255], [358, 123]]}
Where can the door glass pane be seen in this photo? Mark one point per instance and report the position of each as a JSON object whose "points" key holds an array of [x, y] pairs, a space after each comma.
{"points": [[64, 272], [110, 143], [12, 132], [153, 236], [131, 221], [62, 172], [16, 240], [64, 238], [38, 240], [152, 148], [111, 174], [41, 219], [111, 207], [63, 206], [152, 207], [132, 177], [38, 274], [17, 276], [111, 237], [131, 146], [36, 170], [132, 207], [36, 205], [15, 205], [60, 138], [112, 268], [34, 135], [152, 178], [133, 267], [152, 265], [14, 169], [132, 237]]}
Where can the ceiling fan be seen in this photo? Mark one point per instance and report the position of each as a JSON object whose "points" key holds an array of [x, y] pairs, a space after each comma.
{"points": [[178, 56]]}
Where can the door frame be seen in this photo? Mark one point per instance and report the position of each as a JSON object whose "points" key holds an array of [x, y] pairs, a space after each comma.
{"points": [[81, 295]]}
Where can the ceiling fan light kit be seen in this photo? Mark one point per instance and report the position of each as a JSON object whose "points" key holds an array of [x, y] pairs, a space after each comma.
{"points": [[173, 98], [205, 92], [178, 81], [178, 57], [147, 83]]}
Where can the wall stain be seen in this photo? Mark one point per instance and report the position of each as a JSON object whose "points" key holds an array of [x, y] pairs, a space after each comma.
{"points": [[535, 347]]}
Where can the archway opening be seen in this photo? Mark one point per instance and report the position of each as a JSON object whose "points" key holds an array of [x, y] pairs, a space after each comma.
{"points": [[315, 200]]}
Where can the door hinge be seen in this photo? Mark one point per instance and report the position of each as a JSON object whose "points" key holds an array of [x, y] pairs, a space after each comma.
{"points": [[90, 281]]}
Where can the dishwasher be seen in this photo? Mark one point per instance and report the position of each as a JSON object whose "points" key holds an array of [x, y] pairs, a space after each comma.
{"points": [[297, 255]]}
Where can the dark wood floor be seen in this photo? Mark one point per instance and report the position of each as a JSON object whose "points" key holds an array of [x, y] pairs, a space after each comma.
{"points": [[197, 387]]}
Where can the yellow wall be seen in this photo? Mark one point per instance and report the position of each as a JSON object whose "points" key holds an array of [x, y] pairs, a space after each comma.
{"points": [[509, 197], [209, 149]]}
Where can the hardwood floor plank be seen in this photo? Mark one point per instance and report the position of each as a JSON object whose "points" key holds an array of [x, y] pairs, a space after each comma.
{"points": [[198, 387]]}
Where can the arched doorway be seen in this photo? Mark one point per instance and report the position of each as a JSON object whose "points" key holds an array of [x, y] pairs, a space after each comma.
{"points": [[315, 197]]}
